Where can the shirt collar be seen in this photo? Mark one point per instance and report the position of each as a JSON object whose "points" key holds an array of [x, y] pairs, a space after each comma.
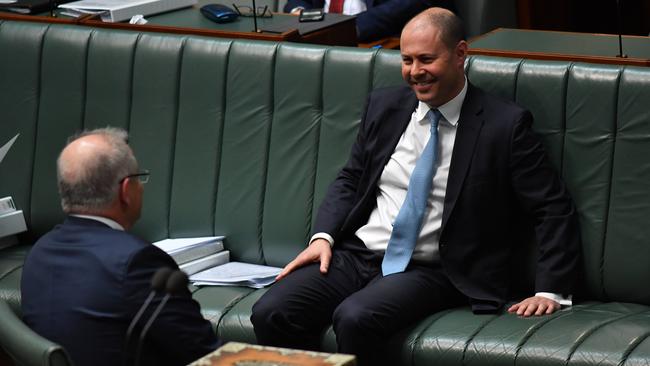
{"points": [[450, 110], [104, 220]]}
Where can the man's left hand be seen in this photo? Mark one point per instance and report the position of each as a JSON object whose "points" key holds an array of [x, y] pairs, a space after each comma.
{"points": [[536, 305]]}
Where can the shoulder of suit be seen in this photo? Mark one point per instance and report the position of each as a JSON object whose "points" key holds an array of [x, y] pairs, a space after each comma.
{"points": [[495, 103], [396, 94]]}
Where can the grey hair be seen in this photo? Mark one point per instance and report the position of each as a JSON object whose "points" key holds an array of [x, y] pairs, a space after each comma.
{"points": [[95, 184]]}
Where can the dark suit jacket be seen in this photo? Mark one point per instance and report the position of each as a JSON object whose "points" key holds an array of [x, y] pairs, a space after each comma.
{"points": [[83, 283], [383, 18], [498, 172]]}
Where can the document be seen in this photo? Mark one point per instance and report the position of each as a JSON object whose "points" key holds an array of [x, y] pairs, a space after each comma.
{"points": [[237, 274], [119, 10], [5, 149], [185, 250]]}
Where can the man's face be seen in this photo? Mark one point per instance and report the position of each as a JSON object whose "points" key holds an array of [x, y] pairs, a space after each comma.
{"points": [[432, 70]]}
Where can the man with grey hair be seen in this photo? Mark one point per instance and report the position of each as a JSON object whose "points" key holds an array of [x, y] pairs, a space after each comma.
{"points": [[84, 281]]}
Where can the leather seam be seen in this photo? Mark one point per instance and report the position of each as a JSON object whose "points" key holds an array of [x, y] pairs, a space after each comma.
{"points": [[269, 133], [172, 162], [310, 206], [473, 335], [132, 77], [230, 306], [608, 202], [84, 95], [217, 173], [542, 324], [632, 347], [418, 338], [39, 87], [591, 331]]}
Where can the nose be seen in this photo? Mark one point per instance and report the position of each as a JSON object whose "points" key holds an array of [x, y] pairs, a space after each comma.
{"points": [[416, 68]]}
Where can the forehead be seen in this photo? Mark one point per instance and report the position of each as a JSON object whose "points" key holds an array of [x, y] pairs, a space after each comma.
{"points": [[420, 39]]}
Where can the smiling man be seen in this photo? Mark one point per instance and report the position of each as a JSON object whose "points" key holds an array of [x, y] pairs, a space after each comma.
{"points": [[426, 212]]}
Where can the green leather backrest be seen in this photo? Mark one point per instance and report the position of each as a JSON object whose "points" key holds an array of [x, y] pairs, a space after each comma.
{"points": [[242, 138], [24, 346]]}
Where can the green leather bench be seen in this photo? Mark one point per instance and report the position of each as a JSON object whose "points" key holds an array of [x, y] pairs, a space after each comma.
{"points": [[242, 139]]}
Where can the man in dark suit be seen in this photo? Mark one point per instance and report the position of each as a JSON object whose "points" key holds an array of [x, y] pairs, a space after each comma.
{"points": [[387, 252], [84, 281], [375, 18]]}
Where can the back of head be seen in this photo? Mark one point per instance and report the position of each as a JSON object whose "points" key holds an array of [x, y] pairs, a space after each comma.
{"points": [[90, 167]]}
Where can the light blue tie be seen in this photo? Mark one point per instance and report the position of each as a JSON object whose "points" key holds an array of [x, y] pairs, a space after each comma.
{"points": [[408, 222]]}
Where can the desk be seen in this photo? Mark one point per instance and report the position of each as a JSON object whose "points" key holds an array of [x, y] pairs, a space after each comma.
{"points": [[341, 30], [566, 46], [234, 354]]}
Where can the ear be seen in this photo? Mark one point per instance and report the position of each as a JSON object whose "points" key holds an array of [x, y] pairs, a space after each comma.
{"points": [[123, 193], [461, 51]]}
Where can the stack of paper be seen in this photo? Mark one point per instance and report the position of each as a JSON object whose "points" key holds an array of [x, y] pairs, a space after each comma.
{"points": [[237, 274], [119, 10], [12, 222], [195, 254]]}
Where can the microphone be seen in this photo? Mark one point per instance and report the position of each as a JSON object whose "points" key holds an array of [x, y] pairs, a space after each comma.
{"points": [[176, 283], [158, 283]]}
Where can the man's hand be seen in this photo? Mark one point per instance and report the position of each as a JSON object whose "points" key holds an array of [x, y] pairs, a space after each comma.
{"points": [[536, 305], [318, 251]]}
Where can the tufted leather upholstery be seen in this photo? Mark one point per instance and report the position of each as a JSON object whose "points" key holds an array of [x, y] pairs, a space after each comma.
{"points": [[243, 137]]}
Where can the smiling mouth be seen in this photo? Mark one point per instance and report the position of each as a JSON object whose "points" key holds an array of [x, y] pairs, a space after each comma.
{"points": [[421, 83]]}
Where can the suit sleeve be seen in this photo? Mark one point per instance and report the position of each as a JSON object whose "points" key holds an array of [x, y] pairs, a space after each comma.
{"points": [[342, 194], [387, 18], [541, 193], [180, 332], [307, 4]]}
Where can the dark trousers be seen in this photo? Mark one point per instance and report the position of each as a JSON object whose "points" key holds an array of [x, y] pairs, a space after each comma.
{"points": [[365, 308]]}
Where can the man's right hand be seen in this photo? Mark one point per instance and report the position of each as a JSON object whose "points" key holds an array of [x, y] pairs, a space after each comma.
{"points": [[318, 250]]}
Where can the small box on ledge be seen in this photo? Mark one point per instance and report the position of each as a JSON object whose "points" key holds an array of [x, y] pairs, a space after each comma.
{"points": [[235, 354]]}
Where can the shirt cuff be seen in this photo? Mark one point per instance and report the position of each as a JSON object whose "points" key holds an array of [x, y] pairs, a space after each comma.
{"points": [[562, 300], [297, 8], [325, 236]]}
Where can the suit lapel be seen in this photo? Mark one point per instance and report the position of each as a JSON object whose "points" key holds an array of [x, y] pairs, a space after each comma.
{"points": [[469, 129], [396, 119]]}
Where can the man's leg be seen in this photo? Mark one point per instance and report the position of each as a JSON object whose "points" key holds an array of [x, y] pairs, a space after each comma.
{"points": [[365, 321], [295, 311]]}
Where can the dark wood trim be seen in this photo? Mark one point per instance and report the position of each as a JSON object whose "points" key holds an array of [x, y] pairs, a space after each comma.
{"points": [[561, 57]]}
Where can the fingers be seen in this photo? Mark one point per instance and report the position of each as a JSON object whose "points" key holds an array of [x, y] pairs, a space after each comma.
{"points": [[325, 259], [534, 306], [313, 253]]}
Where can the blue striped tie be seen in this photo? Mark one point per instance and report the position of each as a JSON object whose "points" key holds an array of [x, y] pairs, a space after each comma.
{"points": [[408, 222]]}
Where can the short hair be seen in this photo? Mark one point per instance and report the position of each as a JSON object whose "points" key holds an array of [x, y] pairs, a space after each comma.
{"points": [[95, 184], [449, 26]]}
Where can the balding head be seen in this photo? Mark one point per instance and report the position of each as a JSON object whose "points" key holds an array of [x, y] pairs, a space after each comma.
{"points": [[448, 25], [89, 169]]}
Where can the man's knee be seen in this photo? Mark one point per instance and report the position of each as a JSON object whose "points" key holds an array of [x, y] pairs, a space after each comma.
{"points": [[353, 318]]}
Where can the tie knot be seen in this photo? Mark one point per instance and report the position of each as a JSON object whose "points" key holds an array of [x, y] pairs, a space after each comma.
{"points": [[434, 116]]}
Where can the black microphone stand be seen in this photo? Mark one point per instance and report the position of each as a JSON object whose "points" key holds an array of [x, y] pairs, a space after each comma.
{"points": [[256, 30], [618, 28]]}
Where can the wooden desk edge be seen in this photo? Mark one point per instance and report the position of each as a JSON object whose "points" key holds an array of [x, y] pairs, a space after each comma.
{"points": [[561, 57]]}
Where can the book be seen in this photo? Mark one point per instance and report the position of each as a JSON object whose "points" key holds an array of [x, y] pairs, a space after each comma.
{"points": [[204, 263], [184, 250], [120, 10], [29, 6], [236, 274], [235, 353]]}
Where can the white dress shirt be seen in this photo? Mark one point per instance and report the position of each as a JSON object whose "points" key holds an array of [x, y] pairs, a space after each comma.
{"points": [[350, 7], [104, 220]]}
